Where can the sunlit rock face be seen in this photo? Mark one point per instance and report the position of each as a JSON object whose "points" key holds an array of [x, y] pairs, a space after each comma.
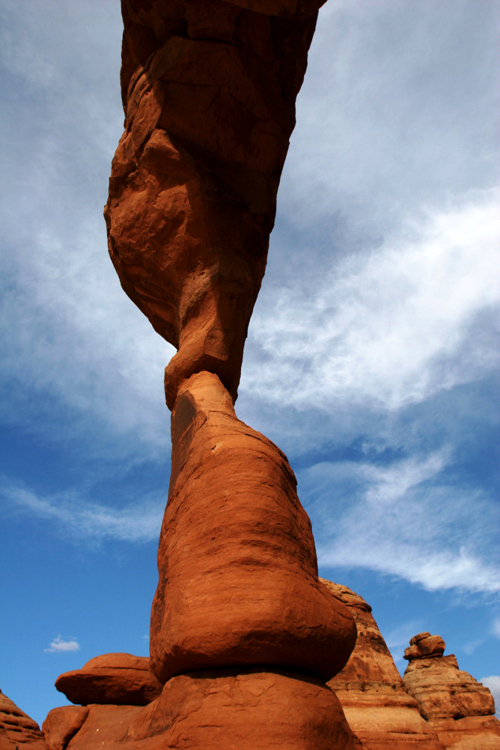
{"points": [[238, 572], [370, 689], [119, 678], [459, 709], [17, 730]]}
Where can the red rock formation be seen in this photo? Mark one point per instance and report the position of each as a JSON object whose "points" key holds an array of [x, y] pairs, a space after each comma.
{"points": [[459, 709], [209, 94], [17, 730], [62, 724], [121, 679], [238, 571], [209, 97], [213, 710], [371, 692]]}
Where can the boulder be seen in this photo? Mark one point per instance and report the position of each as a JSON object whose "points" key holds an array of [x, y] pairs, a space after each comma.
{"points": [[458, 708], [62, 724], [238, 581], [377, 707], [118, 678], [17, 729], [424, 645]]}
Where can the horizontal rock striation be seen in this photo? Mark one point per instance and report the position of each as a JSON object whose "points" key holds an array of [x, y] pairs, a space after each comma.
{"points": [[459, 709], [17, 730], [377, 707]]}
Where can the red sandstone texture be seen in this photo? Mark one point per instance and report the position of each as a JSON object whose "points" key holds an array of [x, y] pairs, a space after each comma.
{"points": [[377, 707], [209, 97], [17, 730], [122, 679], [237, 563], [459, 709], [214, 710]]}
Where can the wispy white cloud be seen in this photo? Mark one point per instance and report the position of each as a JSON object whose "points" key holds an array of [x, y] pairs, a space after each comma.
{"points": [[397, 116], [496, 627], [86, 520], [62, 645], [415, 317], [398, 639], [410, 521]]}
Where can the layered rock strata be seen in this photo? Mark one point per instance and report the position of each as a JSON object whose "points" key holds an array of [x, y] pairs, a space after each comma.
{"points": [[458, 708], [17, 730], [370, 689], [209, 95]]}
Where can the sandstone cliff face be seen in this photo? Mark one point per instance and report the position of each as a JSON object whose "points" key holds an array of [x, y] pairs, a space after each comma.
{"points": [[459, 709], [17, 730], [376, 705]]}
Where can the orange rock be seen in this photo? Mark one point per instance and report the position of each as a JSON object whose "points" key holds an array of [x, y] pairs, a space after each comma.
{"points": [[223, 710], [424, 645], [17, 729], [121, 679], [62, 724], [371, 692], [459, 709], [237, 564], [209, 98]]}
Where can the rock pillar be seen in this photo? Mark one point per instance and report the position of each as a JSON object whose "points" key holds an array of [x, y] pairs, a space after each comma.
{"points": [[243, 634], [458, 708]]}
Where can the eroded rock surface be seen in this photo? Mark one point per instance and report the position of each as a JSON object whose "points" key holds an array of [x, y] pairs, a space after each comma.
{"points": [[371, 692], [460, 709], [209, 97], [215, 710], [17, 729], [117, 678], [237, 562]]}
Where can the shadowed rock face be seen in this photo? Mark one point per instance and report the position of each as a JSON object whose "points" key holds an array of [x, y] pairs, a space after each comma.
{"points": [[460, 709], [371, 692], [17, 729], [209, 95]]}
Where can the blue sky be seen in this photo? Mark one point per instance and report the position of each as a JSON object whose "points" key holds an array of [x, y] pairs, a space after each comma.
{"points": [[372, 356]]}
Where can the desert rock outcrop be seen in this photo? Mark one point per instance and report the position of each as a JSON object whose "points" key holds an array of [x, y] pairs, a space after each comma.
{"points": [[377, 707], [209, 96], [459, 709], [244, 709], [17, 730]]}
